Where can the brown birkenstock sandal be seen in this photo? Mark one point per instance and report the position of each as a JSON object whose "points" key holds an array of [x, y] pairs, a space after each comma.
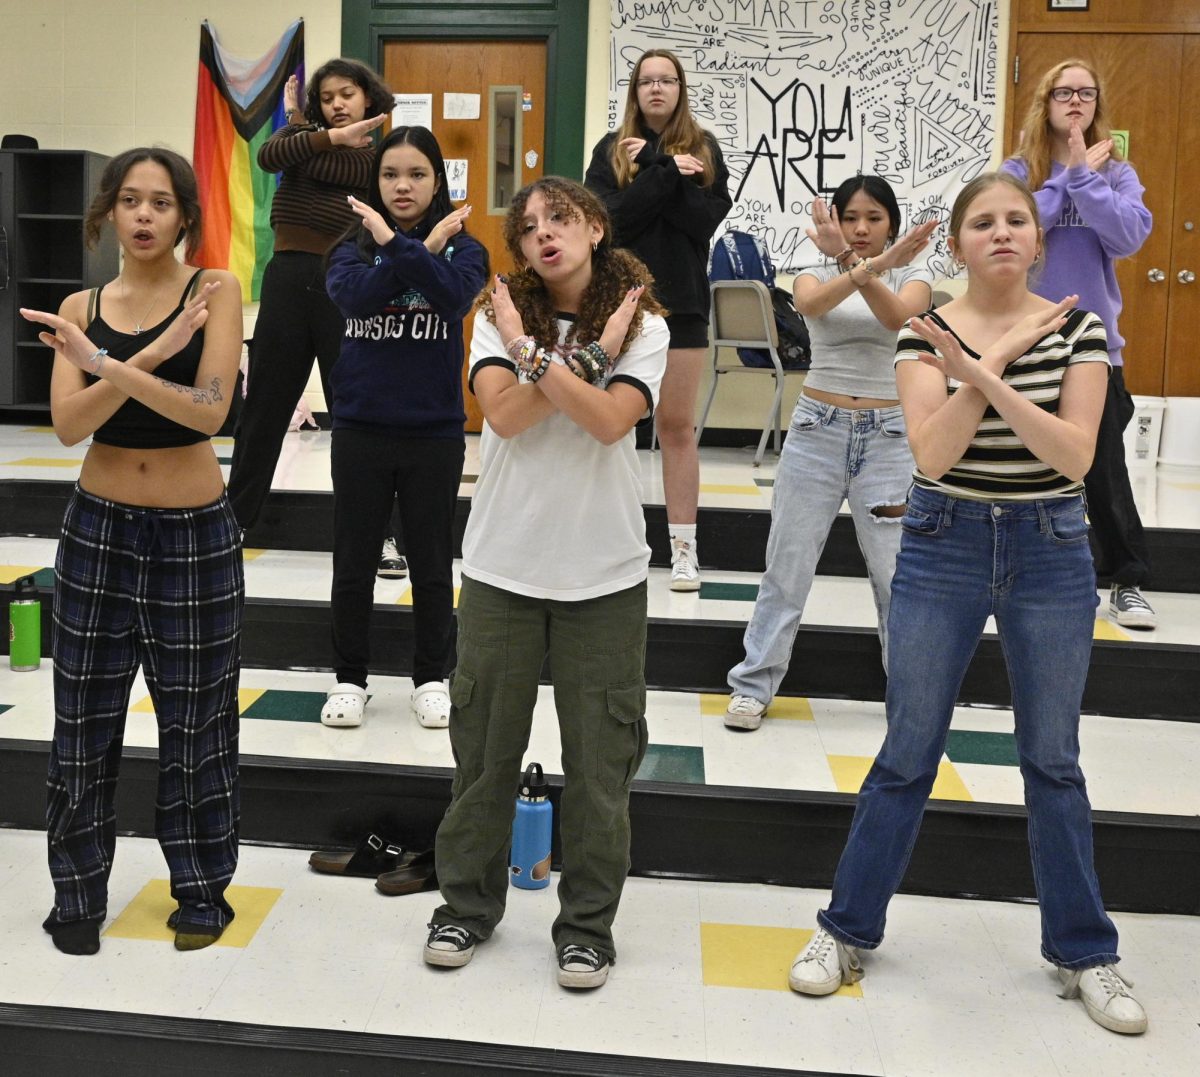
{"points": [[411, 878], [371, 859]]}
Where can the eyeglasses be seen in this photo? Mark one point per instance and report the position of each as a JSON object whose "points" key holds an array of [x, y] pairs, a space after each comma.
{"points": [[1063, 94], [645, 84]]}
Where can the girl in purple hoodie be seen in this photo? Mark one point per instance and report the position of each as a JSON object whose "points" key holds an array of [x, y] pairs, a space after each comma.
{"points": [[1090, 203]]}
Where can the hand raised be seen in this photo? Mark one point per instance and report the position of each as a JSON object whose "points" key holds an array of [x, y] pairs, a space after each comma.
{"points": [[1098, 153], [68, 340], [1030, 329], [632, 147], [1076, 147], [181, 330], [613, 338], [381, 231], [949, 359], [356, 136], [826, 232], [449, 225], [508, 318], [291, 95], [688, 165], [907, 247]]}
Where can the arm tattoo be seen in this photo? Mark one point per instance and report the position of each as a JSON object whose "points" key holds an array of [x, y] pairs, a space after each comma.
{"points": [[199, 396]]}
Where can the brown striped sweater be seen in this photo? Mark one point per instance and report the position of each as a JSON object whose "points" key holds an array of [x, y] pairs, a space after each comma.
{"points": [[309, 211]]}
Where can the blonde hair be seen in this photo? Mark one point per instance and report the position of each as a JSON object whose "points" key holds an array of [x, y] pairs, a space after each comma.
{"points": [[984, 182], [682, 133], [1035, 142]]}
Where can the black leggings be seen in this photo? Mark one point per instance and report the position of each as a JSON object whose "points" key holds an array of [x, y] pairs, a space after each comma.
{"points": [[371, 469], [296, 320]]}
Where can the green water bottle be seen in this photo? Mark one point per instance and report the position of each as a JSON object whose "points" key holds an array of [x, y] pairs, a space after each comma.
{"points": [[25, 627]]}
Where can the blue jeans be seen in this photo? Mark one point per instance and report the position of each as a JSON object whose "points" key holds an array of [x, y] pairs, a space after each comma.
{"points": [[1029, 564], [830, 454]]}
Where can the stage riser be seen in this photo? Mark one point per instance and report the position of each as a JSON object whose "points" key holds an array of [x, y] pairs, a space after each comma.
{"points": [[731, 540], [1146, 863]]}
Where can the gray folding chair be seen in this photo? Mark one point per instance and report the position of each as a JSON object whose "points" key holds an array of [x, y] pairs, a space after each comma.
{"points": [[742, 317]]}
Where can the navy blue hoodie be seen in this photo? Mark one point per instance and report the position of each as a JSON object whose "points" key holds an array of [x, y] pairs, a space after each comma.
{"points": [[400, 365]]}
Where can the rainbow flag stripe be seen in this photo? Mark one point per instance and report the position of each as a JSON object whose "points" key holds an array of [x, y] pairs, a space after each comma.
{"points": [[239, 105]]}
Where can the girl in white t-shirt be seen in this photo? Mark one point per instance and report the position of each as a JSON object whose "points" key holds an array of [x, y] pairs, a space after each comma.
{"points": [[566, 356], [847, 439]]}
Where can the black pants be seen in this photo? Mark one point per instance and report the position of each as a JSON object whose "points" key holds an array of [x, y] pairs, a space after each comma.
{"points": [[1118, 541], [296, 320], [370, 470]]}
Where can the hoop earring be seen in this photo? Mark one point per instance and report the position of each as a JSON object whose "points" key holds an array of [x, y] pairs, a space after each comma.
{"points": [[595, 245]]}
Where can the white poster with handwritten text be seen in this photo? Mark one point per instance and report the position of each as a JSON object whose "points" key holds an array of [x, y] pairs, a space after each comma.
{"points": [[803, 94]]}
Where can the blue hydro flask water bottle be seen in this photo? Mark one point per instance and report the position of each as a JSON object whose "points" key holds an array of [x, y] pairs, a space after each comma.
{"points": [[530, 861]]}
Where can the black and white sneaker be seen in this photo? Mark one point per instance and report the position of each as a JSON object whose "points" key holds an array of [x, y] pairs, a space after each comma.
{"points": [[391, 565], [1129, 608], [581, 966], [448, 946]]}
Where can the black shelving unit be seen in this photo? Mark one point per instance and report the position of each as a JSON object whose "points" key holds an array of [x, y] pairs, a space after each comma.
{"points": [[44, 195]]}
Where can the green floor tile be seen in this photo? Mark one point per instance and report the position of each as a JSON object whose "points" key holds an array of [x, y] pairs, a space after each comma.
{"points": [[44, 578], [969, 746], [5, 707], [277, 705], [224, 459], [673, 763], [764, 482], [470, 478], [731, 592]]}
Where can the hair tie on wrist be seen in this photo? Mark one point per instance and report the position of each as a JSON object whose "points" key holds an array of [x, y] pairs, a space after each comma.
{"points": [[96, 359]]}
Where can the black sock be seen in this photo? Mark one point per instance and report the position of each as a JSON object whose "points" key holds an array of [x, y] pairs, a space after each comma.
{"points": [[76, 937]]}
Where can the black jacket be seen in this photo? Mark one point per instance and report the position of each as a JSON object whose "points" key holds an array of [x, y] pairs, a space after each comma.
{"points": [[665, 218]]}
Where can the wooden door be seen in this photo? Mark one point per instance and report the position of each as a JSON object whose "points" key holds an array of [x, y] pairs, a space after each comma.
{"points": [[504, 146], [1143, 87], [1183, 371]]}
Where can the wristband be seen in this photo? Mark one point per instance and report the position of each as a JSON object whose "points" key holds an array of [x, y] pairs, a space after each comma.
{"points": [[543, 364], [842, 254], [96, 360]]}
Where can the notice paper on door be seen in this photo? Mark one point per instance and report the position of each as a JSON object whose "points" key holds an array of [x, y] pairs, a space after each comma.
{"points": [[412, 110], [460, 106], [456, 178]]}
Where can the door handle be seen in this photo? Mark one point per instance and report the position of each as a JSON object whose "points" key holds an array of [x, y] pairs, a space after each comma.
{"points": [[1185, 276], [1156, 276]]}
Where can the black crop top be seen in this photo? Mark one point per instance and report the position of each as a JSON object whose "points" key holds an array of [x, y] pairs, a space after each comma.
{"points": [[133, 425]]}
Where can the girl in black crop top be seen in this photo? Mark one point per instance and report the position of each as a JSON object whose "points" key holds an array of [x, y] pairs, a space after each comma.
{"points": [[149, 571]]}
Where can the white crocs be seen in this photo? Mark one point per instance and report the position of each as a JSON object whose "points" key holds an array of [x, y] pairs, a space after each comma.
{"points": [[431, 704], [344, 707]]}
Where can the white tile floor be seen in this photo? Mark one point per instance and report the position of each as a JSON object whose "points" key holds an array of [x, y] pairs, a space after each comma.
{"points": [[957, 989]]}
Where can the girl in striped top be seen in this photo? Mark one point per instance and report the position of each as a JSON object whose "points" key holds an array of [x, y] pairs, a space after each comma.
{"points": [[1002, 393]]}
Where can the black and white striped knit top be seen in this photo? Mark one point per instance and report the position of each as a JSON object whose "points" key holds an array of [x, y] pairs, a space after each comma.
{"points": [[996, 465]]}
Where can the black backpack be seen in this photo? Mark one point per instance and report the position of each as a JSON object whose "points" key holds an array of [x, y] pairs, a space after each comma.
{"points": [[743, 256]]}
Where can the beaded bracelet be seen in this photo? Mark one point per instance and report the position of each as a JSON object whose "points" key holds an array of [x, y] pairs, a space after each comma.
{"points": [[543, 364], [866, 264], [96, 360]]}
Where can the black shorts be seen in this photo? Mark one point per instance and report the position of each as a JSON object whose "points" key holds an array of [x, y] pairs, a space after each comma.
{"points": [[688, 330]]}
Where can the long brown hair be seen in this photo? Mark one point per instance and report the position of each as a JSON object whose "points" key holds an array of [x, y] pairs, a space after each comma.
{"points": [[1035, 142], [681, 135], [614, 270]]}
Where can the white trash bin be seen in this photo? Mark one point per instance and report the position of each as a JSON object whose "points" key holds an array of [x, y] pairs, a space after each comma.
{"points": [[1144, 431], [1180, 442]]}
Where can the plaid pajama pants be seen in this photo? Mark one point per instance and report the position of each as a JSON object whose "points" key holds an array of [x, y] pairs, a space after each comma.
{"points": [[161, 589]]}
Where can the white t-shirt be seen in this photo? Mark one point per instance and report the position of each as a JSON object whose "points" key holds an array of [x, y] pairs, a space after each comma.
{"points": [[852, 350], [556, 514]]}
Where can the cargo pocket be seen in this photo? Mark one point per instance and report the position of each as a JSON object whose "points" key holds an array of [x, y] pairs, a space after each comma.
{"points": [[622, 738]]}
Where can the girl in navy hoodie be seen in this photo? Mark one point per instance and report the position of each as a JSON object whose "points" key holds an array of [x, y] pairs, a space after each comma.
{"points": [[403, 279]]}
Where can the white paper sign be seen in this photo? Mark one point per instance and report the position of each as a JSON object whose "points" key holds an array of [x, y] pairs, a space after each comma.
{"points": [[412, 110], [456, 178], [460, 106]]}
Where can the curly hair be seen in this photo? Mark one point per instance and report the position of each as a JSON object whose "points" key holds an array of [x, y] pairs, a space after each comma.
{"points": [[379, 97], [183, 182], [1034, 146], [614, 271], [681, 135]]}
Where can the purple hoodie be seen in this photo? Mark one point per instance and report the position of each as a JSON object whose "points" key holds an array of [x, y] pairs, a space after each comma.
{"points": [[1091, 219]]}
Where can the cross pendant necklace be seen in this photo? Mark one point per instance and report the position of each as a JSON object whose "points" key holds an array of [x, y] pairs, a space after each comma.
{"points": [[137, 326]]}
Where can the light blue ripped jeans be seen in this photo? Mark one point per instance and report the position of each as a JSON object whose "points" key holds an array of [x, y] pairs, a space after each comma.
{"points": [[830, 454]]}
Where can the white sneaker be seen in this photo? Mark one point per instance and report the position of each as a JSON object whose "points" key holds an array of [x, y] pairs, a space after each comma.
{"points": [[744, 712], [431, 704], [1106, 997], [824, 965], [685, 570], [344, 707]]}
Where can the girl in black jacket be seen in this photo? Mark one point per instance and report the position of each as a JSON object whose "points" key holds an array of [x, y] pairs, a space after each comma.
{"points": [[665, 185]]}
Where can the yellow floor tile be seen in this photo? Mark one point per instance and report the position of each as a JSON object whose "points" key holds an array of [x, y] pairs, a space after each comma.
{"points": [[1108, 630], [43, 461], [246, 696], [406, 598], [727, 488], [251, 553], [12, 573], [145, 917], [796, 708], [758, 958], [850, 771]]}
